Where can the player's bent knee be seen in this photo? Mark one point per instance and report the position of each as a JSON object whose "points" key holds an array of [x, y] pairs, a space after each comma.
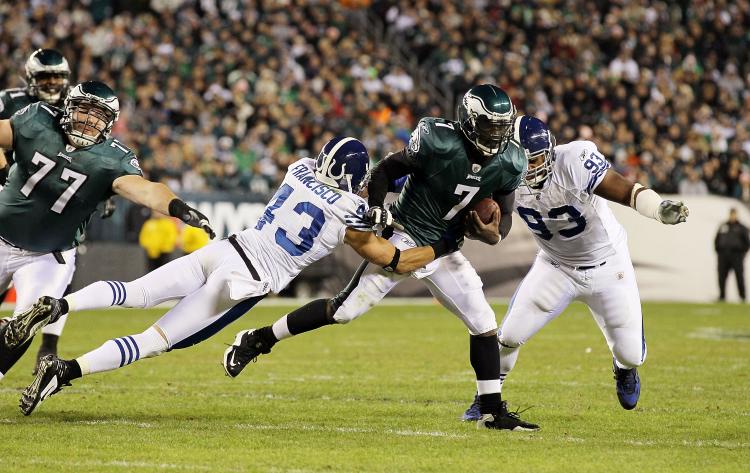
{"points": [[350, 310], [629, 358], [511, 341], [343, 316], [134, 295], [151, 342]]}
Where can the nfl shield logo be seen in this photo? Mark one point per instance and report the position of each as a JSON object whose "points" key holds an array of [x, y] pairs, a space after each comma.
{"points": [[475, 168], [620, 275]]}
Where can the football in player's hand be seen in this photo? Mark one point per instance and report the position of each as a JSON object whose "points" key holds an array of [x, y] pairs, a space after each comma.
{"points": [[485, 208]]}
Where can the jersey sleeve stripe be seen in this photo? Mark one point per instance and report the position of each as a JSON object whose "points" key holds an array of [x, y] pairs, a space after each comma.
{"points": [[595, 178]]}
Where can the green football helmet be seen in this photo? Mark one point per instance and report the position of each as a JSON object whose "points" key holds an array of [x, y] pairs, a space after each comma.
{"points": [[486, 115], [91, 109], [47, 75]]}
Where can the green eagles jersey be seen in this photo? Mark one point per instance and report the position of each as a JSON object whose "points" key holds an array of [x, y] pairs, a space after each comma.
{"points": [[447, 183], [54, 187], [11, 101]]}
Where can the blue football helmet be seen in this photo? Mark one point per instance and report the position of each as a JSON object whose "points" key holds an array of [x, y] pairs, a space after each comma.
{"points": [[539, 143], [342, 163]]}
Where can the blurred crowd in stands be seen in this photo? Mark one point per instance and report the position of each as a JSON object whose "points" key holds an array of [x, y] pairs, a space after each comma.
{"points": [[224, 94]]}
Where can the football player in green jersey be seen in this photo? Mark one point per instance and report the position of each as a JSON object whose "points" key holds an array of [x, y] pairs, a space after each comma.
{"points": [[449, 166], [47, 77], [66, 164]]}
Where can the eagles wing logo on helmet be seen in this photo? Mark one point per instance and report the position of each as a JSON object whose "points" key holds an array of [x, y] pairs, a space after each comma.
{"points": [[485, 115], [47, 75]]}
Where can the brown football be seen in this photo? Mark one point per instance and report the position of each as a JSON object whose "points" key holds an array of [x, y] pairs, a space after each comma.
{"points": [[485, 208]]}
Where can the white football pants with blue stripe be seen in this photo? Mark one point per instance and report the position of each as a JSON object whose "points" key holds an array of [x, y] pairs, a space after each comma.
{"points": [[610, 291], [213, 286]]}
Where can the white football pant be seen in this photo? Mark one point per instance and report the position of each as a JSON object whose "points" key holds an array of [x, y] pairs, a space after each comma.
{"points": [[213, 286], [451, 279], [610, 291]]}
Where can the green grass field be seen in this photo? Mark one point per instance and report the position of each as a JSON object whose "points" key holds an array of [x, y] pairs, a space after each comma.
{"points": [[384, 395]]}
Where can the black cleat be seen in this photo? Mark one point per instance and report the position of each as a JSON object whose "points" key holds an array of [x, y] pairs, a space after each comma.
{"points": [[52, 374], [42, 353], [22, 327], [505, 420], [247, 347]]}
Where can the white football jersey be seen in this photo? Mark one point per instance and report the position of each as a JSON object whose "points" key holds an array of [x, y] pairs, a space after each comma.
{"points": [[570, 223], [304, 221]]}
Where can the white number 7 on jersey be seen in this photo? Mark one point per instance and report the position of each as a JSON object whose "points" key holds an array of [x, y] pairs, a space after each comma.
{"points": [[461, 190]]}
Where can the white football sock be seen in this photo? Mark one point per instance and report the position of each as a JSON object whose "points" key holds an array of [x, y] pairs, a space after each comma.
{"points": [[281, 329], [104, 294], [123, 351]]}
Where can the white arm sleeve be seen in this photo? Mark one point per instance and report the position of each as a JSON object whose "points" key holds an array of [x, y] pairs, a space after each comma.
{"points": [[646, 202]]}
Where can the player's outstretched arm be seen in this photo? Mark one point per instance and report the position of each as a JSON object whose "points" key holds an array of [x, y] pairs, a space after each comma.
{"points": [[380, 251], [159, 197], [645, 201]]}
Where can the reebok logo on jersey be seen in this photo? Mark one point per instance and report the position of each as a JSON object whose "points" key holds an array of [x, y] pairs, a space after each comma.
{"points": [[134, 163], [64, 156], [475, 178]]}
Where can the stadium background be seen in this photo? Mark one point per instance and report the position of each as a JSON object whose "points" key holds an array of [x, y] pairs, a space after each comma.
{"points": [[219, 97]]}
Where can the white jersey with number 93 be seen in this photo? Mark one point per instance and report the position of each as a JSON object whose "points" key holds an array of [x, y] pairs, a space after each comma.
{"points": [[570, 223]]}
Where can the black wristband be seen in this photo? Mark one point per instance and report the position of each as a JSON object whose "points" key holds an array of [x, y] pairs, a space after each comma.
{"points": [[390, 267], [4, 174], [178, 208], [440, 248]]}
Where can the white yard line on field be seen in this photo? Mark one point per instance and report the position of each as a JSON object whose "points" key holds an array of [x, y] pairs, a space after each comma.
{"points": [[346, 430], [148, 466]]}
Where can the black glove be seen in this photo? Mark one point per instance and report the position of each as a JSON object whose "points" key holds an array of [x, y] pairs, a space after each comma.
{"points": [[108, 209], [189, 215], [379, 216]]}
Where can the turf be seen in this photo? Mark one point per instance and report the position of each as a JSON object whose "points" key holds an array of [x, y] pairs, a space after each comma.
{"points": [[384, 394]]}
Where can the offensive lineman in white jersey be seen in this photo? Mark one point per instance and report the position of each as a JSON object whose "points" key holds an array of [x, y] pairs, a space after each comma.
{"points": [[583, 253], [313, 212]]}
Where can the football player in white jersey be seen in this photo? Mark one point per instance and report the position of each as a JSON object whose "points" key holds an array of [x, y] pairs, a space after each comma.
{"points": [[583, 253], [313, 212]]}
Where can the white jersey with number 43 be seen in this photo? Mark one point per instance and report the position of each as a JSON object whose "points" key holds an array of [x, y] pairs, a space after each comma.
{"points": [[570, 223], [304, 221]]}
